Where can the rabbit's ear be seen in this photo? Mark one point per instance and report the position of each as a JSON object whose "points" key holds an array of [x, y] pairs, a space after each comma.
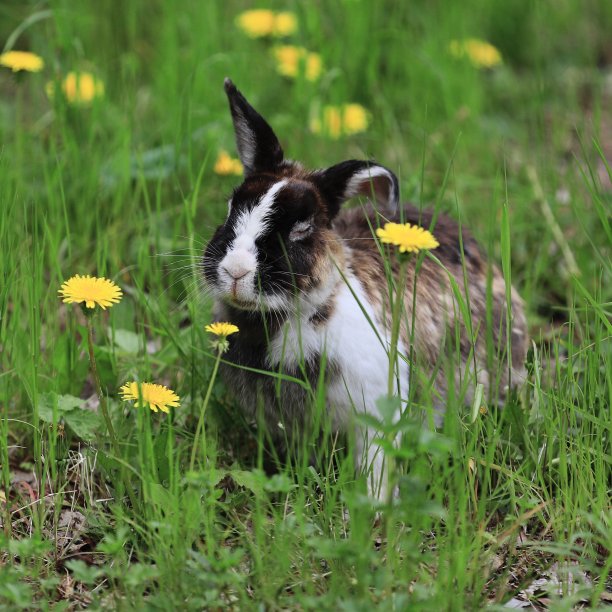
{"points": [[258, 146], [350, 178]]}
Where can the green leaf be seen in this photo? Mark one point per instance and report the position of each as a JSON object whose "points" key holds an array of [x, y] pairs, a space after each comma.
{"points": [[279, 483], [125, 340], [477, 402], [87, 574], [84, 423], [390, 449], [153, 164], [161, 497], [139, 574], [69, 402], [26, 548], [114, 543], [45, 407], [205, 480], [367, 420], [389, 407], [63, 403], [71, 410], [433, 442], [156, 164], [253, 481]]}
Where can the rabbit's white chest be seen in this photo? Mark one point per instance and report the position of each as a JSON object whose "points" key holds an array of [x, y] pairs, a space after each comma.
{"points": [[354, 346]]}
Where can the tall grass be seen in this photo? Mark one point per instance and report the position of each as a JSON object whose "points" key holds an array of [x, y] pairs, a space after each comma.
{"points": [[125, 188]]}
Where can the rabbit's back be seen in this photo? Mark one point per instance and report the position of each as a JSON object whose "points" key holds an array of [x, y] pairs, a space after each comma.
{"points": [[435, 310]]}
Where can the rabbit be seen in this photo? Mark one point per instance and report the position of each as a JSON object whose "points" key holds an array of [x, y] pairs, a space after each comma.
{"points": [[305, 282]]}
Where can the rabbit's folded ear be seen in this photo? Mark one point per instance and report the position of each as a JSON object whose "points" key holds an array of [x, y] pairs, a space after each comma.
{"points": [[353, 177], [258, 146]]}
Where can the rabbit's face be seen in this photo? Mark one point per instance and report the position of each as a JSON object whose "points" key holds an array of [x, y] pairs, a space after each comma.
{"points": [[268, 247], [277, 237]]}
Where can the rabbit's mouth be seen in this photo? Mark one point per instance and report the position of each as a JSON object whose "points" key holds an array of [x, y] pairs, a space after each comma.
{"points": [[241, 303], [260, 303]]}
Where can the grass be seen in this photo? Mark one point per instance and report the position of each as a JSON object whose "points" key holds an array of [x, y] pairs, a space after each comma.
{"points": [[125, 188]]}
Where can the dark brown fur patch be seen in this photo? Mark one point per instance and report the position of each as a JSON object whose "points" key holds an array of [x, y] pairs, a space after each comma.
{"points": [[323, 313]]}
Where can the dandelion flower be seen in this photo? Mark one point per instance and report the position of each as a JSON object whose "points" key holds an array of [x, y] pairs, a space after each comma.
{"points": [[409, 238], [22, 60], [481, 53], [285, 23], [222, 329], [227, 165], [90, 290], [79, 88], [341, 120], [258, 23], [330, 123], [150, 395], [292, 61], [354, 118]]}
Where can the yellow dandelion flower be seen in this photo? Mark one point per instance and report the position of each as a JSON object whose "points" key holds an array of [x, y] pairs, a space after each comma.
{"points": [[258, 23], [355, 118], [292, 61], [22, 60], [79, 88], [341, 120], [409, 238], [481, 53], [285, 23], [227, 165], [91, 290], [222, 329], [150, 395], [330, 123]]}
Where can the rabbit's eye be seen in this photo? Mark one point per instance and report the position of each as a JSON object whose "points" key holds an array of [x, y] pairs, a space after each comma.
{"points": [[301, 230]]}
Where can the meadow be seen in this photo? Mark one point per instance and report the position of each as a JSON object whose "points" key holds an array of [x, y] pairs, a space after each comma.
{"points": [[125, 173]]}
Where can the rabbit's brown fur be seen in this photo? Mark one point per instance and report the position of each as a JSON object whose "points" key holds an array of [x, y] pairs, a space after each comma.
{"points": [[435, 310]]}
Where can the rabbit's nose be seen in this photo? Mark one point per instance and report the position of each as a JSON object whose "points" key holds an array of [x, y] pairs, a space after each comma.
{"points": [[238, 263], [236, 272]]}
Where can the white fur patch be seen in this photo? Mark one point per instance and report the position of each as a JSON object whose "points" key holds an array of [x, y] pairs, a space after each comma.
{"points": [[348, 340], [254, 222], [360, 352], [238, 268]]}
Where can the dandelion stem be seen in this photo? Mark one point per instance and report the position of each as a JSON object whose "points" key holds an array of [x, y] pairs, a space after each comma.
{"points": [[396, 319], [101, 396], [104, 407], [200, 426]]}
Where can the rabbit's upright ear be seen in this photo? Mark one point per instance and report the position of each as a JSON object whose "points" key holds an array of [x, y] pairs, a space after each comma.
{"points": [[350, 178], [258, 146]]}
